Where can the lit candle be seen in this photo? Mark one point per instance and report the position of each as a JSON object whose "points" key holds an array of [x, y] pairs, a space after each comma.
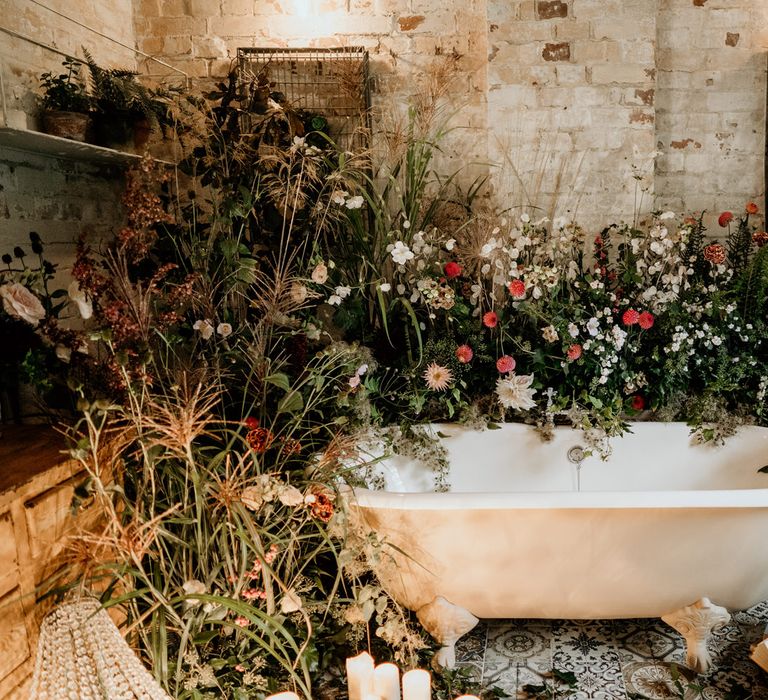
{"points": [[416, 685], [467, 697], [284, 696], [386, 682], [360, 676]]}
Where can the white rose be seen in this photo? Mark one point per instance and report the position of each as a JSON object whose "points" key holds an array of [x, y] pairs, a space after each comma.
{"points": [[19, 302], [77, 295], [355, 202], [320, 273], [290, 602]]}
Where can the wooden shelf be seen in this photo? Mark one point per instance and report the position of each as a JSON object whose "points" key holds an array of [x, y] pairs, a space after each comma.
{"points": [[57, 147]]}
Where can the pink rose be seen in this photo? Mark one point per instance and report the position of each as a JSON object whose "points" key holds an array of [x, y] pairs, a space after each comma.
{"points": [[19, 302]]}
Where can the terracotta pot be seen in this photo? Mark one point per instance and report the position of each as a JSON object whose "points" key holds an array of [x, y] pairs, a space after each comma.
{"points": [[121, 130], [68, 125]]}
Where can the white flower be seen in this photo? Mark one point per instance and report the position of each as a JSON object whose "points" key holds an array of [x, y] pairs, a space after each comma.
{"points": [[299, 293], [385, 287], [320, 273], [334, 300], [559, 223], [406, 224], [63, 353], [667, 215], [77, 295], [290, 602], [343, 292], [355, 202], [19, 302], [224, 329], [401, 253], [514, 391], [290, 496], [401, 289], [525, 218], [313, 332], [339, 197], [593, 326], [354, 381], [573, 330], [549, 334], [619, 337], [193, 587], [205, 327], [362, 369], [450, 243]]}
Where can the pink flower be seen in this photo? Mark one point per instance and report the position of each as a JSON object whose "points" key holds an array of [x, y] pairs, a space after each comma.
{"points": [[240, 668], [241, 621], [19, 302], [464, 354], [517, 289], [490, 319], [505, 364], [630, 317], [725, 218], [452, 270], [437, 377], [574, 352], [646, 320]]}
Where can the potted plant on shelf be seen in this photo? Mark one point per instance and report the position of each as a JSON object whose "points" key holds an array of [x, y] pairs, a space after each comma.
{"points": [[66, 103], [125, 111]]}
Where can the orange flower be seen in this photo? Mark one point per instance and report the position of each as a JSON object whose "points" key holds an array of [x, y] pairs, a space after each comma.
{"points": [[752, 208], [714, 253]]}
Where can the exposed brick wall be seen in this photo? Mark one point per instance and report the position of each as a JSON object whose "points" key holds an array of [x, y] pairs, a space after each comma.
{"points": [[710, 102], [563, 95]]}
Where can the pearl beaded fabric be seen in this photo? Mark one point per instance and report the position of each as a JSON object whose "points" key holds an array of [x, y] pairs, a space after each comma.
{"points": [[81, 655]]}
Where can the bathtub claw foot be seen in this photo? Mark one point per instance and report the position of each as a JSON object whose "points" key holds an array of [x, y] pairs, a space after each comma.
{"points": [[696, 623], [447, 623]]}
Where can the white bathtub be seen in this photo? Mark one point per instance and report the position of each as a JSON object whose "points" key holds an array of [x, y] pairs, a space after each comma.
{"points": [[659, 525]]}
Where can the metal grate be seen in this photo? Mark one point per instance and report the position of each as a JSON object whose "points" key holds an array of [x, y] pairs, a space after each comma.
{"points": [[331, 82]]}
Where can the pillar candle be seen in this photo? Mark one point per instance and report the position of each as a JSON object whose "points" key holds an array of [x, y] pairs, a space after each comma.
{"points": [[284, 696], [416, 685], [360, 676], [386, 682], [467, 697]]}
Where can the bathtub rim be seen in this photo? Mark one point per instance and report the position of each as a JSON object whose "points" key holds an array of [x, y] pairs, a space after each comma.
{"points": [[533, 500], [558, 500]]}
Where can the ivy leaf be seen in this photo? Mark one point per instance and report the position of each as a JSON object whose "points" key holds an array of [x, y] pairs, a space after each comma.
{"points": [[280, 380]]}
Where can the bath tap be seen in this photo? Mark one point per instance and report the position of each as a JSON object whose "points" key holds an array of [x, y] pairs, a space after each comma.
{"points": [[576, 456]]}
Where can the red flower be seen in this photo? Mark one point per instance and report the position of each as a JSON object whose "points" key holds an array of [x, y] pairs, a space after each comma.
{"points": [[517, 289], [689, 221], [574, 352], [725, 218], [760, 238], [464, 354], [752, 208], [714, 253], [322, 504], [638, 402], [630, 317], [646, 320], [490, 319], [260, 439], [251, 422], [452, 270], [505, 364]]}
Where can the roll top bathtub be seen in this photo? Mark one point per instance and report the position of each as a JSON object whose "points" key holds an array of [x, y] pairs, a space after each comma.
{"points": [[534, 529]]}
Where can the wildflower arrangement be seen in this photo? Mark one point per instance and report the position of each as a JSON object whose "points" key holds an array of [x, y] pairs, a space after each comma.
{"points": [[535, 320]]}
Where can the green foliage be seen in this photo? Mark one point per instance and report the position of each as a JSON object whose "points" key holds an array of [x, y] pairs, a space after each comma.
{"points": [[65, 92]]}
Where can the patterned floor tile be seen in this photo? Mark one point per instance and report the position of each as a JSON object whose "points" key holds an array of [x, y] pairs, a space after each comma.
{"points": [[616, 659]]}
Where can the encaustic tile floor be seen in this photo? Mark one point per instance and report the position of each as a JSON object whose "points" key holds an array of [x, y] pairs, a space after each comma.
{"points": [[622, 659]]}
